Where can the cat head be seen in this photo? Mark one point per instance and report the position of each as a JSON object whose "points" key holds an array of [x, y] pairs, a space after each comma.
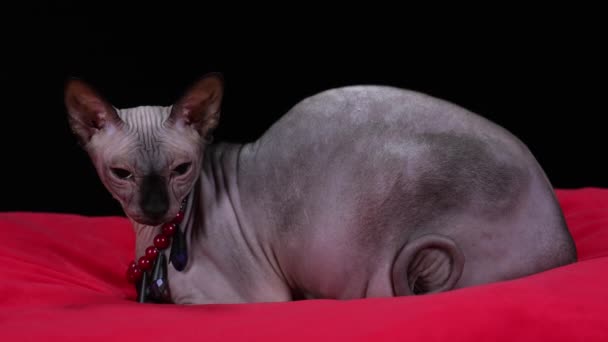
{"points": [[147, 157]]}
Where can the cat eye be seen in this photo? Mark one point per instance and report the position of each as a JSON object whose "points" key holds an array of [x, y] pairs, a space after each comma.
{"points": [[121, 173], [182, 168]]}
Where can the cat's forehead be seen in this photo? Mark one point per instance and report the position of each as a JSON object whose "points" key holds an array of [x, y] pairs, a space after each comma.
{"points": [[143, 131], [144, 117], [145, 124]]}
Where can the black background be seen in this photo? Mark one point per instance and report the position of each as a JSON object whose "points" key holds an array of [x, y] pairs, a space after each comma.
{"points": [[535, 74]]}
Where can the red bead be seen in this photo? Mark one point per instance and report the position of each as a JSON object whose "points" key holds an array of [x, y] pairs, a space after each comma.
{"points": [[179, 217], [151, 253], [161, 241], [144, 263], [168, 229], [132, 265], [134, 274]]}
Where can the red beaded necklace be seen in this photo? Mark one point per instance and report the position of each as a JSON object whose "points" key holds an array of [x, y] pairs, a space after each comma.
{"points": [[149, 273]]}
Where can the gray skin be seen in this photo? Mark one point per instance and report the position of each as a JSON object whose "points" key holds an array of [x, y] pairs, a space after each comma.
{"points": [[357, 192]]}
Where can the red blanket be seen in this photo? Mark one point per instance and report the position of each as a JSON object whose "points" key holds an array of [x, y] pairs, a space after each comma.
{"points": [[62, 277]]}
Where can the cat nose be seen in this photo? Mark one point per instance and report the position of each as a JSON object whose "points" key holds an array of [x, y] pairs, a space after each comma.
{"points": [[154, 198]]}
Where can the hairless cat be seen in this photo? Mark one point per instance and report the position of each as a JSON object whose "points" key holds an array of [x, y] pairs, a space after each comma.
{"points": [[360, 191]]}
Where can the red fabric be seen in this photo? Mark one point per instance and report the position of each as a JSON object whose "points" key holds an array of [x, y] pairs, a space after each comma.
{"points": [[62, 278]]}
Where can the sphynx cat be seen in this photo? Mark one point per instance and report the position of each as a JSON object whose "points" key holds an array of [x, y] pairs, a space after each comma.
{"points": [[357, 192]]}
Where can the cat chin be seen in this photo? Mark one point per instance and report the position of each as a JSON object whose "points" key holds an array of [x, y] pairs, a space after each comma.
{"points": [[147, 221]]}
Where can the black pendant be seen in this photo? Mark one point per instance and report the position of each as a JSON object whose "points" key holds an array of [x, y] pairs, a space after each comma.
{"points": [[159, 286], [142, 288], [179, 251]]}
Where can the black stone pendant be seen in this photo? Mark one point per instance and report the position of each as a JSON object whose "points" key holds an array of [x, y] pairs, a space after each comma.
{"points": [[159, 285], [179, 251], [142, 288]]}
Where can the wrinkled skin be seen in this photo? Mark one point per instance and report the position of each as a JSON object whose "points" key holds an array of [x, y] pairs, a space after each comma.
{"points": [[361, 191]]}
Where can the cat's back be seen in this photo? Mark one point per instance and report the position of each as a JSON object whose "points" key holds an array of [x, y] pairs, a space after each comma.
{"points": [[377, 116]]}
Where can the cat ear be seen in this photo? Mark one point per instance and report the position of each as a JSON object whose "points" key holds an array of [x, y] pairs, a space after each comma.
{"points": [[88, 112], [200, 106]]}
